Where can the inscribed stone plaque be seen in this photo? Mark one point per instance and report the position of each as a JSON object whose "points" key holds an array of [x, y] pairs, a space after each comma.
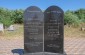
{"points": [[33, 30], [53, 30]]}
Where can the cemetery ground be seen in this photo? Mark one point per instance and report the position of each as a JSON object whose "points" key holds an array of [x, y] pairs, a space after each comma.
{"points": [[74, 40]]}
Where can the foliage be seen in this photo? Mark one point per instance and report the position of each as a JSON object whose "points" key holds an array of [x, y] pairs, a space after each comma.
{"points": [[5, 17], [81, 14], [6, 21], [8, 17], [71, 19], [17, 16]]}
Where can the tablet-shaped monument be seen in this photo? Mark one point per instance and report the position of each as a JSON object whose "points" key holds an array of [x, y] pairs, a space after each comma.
{"points": [[53, 30], [33, 30], [44, 32]]}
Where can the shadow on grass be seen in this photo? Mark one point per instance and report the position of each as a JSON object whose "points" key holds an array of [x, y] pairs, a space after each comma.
{"points": [[18, 51]]}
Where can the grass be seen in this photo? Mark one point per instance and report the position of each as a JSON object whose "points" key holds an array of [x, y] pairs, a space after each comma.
{"points": [[73, 32], [19, 32]]}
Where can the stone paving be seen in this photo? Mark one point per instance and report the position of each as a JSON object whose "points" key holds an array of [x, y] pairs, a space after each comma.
{"points": [[6, 46], [73, 46]]}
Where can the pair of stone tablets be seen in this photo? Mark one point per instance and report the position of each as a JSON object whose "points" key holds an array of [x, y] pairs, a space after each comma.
{"points": [[43, 31]]}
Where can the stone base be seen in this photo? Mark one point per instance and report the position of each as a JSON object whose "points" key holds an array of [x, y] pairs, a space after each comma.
{"points": [[44, 53]]}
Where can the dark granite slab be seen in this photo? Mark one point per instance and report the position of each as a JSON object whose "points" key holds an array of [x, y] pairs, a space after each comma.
{"points": [[53, 30], [33, 30]]}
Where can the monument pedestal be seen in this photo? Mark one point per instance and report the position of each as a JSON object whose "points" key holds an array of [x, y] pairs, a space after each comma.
{"points": [[45, 53]]}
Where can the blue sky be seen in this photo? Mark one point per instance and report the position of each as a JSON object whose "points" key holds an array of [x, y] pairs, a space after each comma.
{"points": [[43, 4]]}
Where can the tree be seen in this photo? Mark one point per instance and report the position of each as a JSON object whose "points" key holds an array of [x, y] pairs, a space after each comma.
{"points": [[6, 21], [71, 19], [5, 17], [17, 16], [81, 14]]}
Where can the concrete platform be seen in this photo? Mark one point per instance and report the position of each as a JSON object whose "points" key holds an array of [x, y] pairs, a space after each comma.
{"points": [[45, 53]]}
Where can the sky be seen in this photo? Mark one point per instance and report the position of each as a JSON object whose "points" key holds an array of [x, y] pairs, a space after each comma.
{"points": [[43, 4]]}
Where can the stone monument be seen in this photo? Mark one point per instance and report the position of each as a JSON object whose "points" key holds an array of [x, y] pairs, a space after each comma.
{"points": [[44, 32], [54, 30], [33, 30]]}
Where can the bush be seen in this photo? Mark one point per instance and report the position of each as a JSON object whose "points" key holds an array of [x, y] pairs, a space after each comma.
{"points": [[71, 19], [6, 21], [17, 16]]}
